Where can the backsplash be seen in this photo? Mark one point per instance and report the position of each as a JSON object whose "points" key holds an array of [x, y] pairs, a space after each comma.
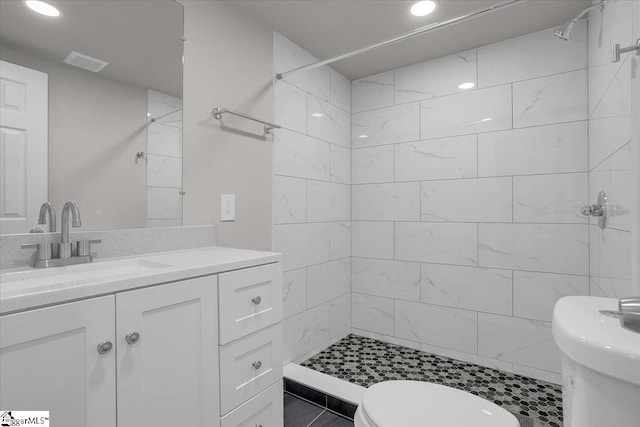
{"points": [[115, 243]]}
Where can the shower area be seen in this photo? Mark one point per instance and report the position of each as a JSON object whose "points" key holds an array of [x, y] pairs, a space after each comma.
{"points": [[438, 206]]}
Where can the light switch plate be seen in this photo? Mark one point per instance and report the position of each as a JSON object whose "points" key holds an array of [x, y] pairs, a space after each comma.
{"points": [[227, 207]]}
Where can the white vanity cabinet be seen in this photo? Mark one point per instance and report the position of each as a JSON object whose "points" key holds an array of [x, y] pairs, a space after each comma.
{"points": [[49, 360], [154, 353]]}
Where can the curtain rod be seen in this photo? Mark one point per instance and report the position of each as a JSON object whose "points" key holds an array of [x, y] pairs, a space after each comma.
{"points": [[412, 33]]}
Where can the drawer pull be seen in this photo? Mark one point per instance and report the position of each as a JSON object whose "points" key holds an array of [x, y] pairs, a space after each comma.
{"points": [[132, 338], [105, 347], [256, 365], [256, 300]]}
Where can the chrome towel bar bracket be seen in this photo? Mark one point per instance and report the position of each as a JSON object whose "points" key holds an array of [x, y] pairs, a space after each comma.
{"points": [[616, 50]]}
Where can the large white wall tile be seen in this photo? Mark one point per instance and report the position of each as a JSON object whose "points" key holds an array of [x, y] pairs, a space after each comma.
{"points": [[163, 171], [163, 203], [530, 56], [536, 150], [386, 202], [295, 154], [616, 100], [522, 341], [400, 123], [302, 244], [305, 332], [467, 357], [371, 165], [340, 164], [340, 235], [556, 248], [621, 205], [328, 281], [444, 158], [483, 110], [288, 55], [550, 198], [386, 278], [289, 200], [327, 201], [437, 77], [326, 122], [294, 291], [444, 243], [467, 200], [607, 135], [164, 140], [471, 288], [372, 313], [611, 25], [372, 92], [440, 326], [340, 91], [372, 239], [534, 294], [290, 107], [340, 315], [553, 99], [538, 374]]}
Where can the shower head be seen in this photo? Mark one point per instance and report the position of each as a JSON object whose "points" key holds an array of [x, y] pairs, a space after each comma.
{"points": [[564, 32]]}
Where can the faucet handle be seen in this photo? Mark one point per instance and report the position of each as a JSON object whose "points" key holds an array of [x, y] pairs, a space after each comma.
{"points": [[84, 246], [43, 250]]}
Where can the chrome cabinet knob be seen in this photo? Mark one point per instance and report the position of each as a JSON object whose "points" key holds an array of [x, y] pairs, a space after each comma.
{"points": [[256, 365], [105, 347], [132, 338], [256, 300]]}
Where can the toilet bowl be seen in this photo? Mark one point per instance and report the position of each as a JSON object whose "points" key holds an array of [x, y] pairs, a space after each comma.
{"points": [[600, 363], [421, 404]]}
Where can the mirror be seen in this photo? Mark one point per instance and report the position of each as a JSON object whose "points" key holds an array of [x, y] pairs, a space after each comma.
{"points": [[74, 128]]}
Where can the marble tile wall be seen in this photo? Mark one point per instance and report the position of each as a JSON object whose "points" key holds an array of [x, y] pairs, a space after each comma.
{"points": [[465, 202], [611, 168], [164, 160], [312, 201]]}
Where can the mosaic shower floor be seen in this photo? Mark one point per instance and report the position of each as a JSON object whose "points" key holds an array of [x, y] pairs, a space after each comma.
{"points": [[366, 361]]}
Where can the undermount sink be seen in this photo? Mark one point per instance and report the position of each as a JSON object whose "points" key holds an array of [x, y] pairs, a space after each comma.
{"points": [[600, 364], [74, 274]]}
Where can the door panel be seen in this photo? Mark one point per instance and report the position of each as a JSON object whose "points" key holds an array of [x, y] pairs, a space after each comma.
{"points": [[23, 147], [49, 361], [170, 374]]}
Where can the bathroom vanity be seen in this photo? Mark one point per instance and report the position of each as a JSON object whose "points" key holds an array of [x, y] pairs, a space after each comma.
{"points": [[189, 337]]}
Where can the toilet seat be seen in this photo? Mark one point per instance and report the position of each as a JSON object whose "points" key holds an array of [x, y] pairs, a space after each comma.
{"points": [[421, 404]]}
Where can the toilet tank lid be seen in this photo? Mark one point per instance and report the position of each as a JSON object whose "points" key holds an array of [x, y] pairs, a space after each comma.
{"points": [[416, 403], [595, 340]]}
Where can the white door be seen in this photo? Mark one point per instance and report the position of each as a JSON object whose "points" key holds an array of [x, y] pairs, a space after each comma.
{"points": [[49, 361], [23, 147], [169, 375]]}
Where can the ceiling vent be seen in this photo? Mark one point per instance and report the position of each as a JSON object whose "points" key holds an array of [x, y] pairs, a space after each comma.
{"points": [[85, 62]]}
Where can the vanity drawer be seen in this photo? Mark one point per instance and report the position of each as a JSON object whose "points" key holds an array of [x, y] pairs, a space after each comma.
{"points": [[266, 410], [249, 300], [249, 366]]}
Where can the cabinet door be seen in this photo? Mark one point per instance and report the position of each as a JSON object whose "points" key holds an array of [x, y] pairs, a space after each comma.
{"points": [[49, 361], [169, 375]]}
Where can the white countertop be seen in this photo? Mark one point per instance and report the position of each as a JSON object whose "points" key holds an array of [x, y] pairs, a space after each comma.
{"points": [[32, 288]]}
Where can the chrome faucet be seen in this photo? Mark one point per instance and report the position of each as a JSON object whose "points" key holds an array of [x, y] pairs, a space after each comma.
{"points": [[47, 216], [65, 246]]}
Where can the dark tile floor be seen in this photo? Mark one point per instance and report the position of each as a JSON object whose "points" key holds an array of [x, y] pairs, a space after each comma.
{"points": [[300, 413], [366, 361]]}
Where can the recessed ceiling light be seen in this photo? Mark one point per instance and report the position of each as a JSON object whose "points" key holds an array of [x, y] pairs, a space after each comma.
{"points": [[468, 85], [423, 8], [42, 8], [317, 115], [363, 136]]}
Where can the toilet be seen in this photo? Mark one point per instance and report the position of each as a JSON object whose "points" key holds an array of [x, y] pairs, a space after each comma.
{"points": [[421, 404]]}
